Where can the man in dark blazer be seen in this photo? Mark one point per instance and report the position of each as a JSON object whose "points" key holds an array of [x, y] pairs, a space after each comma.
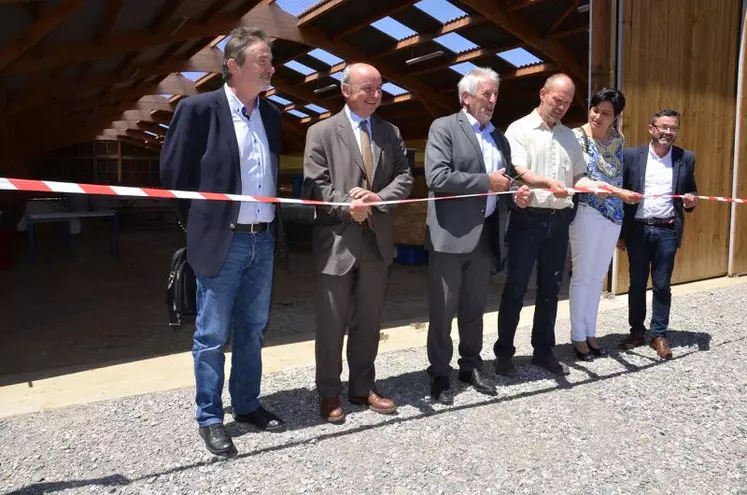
{"points": [[228, 141], [464, 154], [652, 230], [356, 158]]}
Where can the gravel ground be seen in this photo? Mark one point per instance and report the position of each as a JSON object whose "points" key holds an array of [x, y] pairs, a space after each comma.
{"points": [[626, 424]]}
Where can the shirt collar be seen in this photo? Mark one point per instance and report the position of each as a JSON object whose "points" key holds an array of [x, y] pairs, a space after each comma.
{"points": [[489, 127], [236, 105], [535, 120], [656, 157], [356, 119]]}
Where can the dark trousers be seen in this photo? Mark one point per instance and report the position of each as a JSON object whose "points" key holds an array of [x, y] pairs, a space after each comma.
{"points": [[651, 249], [351, 302], [457, 283], [533, 237]]}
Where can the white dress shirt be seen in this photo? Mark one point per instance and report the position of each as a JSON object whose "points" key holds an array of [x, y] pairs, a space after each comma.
{"points": [[552, 152], [257, 178], [659, 180], [490, 155], [355, 123]]}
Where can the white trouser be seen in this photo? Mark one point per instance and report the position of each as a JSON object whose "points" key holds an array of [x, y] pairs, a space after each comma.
{"points": [[593, 239]]}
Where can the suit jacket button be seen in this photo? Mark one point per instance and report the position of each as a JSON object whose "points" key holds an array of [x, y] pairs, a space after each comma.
{"points": [[232, 226], [482, 211]]}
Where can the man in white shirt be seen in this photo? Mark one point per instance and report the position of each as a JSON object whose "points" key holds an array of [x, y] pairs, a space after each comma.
{"points": [[465, 154], [652, 230], [545, 154], [353, 157]]}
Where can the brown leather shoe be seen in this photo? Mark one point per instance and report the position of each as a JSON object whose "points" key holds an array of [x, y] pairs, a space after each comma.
{"points": [[661, 346], [632, 341], [330, 410], [375, 403]]}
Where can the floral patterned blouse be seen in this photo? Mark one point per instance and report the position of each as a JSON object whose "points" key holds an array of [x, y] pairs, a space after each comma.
{"points": [[604, 162]]}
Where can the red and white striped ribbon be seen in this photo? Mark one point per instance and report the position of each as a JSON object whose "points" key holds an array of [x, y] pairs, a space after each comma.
{"points": [[11, 184]]}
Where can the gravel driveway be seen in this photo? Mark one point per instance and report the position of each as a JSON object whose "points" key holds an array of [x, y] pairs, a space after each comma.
{"points": [[626, 424]]}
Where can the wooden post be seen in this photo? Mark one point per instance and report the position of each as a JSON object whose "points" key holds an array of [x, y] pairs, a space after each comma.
{"points": [[119, 161]]}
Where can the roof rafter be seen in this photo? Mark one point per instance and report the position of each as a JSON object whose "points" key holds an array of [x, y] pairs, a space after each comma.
{"points": [[43, 25], [373, 18], [475, 54], [318, 11]]}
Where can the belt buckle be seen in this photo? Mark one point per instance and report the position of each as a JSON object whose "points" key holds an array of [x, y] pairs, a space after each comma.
{"points": [[650, 221]]}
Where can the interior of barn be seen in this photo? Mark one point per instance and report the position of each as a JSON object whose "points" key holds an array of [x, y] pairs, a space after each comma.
{"points": [[89, 88]]}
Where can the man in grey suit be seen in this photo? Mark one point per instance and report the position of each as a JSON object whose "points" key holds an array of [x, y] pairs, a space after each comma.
{"points": [[353, 157], [465, 154]]}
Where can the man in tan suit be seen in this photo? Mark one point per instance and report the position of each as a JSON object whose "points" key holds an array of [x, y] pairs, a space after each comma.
{"points": [[353, 157]]}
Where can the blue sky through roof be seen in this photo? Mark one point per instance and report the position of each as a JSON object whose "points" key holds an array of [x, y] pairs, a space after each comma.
{"points": [[393, 89], [166, 95], [325, 56], [164, 126], [463, 67], [151, 133], [519, 57], [295, 7], [455, 42], [299, 67], [337, 75], [279, 99], [316, 108], [193, 76], [222, 43], [441, 10], [393, 28], [298, 114]]}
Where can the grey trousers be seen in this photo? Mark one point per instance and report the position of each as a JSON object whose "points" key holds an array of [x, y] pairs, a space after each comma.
{"points": [[457, 283], [352, 302]]}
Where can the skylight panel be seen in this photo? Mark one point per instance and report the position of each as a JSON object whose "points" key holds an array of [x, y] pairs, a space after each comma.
{"points": [[193, 76], [151, 133], [325, 56], [316, 108], [298, 114], [393, 89], [279, 99], [296, 7], [463, 68], [519, 57], [441, 10], [166, 95], [164, 126], [222, 44], [299, 67], [455, 42], [337, 75], [393, 28]]}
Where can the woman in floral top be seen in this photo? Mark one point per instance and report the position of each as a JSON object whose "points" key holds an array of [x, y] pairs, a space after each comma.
{"points": [[596, 228]]}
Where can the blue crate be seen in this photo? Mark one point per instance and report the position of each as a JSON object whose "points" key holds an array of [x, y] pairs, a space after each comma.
{"points": [[411, 254]]}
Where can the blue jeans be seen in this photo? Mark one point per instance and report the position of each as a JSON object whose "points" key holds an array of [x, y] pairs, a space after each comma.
{"points": [[650, 248], [237, 298], [540, 238]]}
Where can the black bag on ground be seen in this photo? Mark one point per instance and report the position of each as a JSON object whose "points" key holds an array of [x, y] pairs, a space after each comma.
{"points": [[181, 291]]}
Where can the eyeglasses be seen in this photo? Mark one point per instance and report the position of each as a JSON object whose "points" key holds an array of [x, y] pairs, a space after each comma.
{"points": [[664, 128]]}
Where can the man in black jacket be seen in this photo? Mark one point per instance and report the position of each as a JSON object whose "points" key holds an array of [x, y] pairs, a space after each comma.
{"points": [[652, 230], [228, 141]]}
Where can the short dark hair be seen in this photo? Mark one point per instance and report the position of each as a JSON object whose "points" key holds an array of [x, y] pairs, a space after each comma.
{"points": [[239, 39], [614, 96], [665, 113]]}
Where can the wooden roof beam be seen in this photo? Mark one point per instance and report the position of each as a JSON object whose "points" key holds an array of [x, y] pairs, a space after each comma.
{"points": [[475, 54], [362, 23], [318, 11], [571, 8], [107, 22], [43, 26], [419, 39], [522, 4], [77, 53], [529, 34]]}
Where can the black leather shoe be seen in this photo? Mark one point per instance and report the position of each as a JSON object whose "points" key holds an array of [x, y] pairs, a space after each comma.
{"points": [[582, 356], [261, 418], [597, 351], [440, 390], [478, 382], [551, 364], [505, 366], [217, 440]]}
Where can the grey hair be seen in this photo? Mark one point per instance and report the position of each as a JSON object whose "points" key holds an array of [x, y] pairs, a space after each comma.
{"points": [[241, 37], [468, 84]]}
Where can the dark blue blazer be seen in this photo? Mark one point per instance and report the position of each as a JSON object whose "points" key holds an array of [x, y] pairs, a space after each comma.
{"points": [[200, 153], [634, 179]]}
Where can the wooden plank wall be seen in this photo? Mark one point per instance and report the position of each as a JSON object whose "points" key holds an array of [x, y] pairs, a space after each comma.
{"points": [[739, 265], [682, 54]]}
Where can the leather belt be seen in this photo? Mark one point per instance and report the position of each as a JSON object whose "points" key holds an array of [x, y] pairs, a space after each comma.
{"points": [[656, 221], [252, 228], [545, 211]]}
